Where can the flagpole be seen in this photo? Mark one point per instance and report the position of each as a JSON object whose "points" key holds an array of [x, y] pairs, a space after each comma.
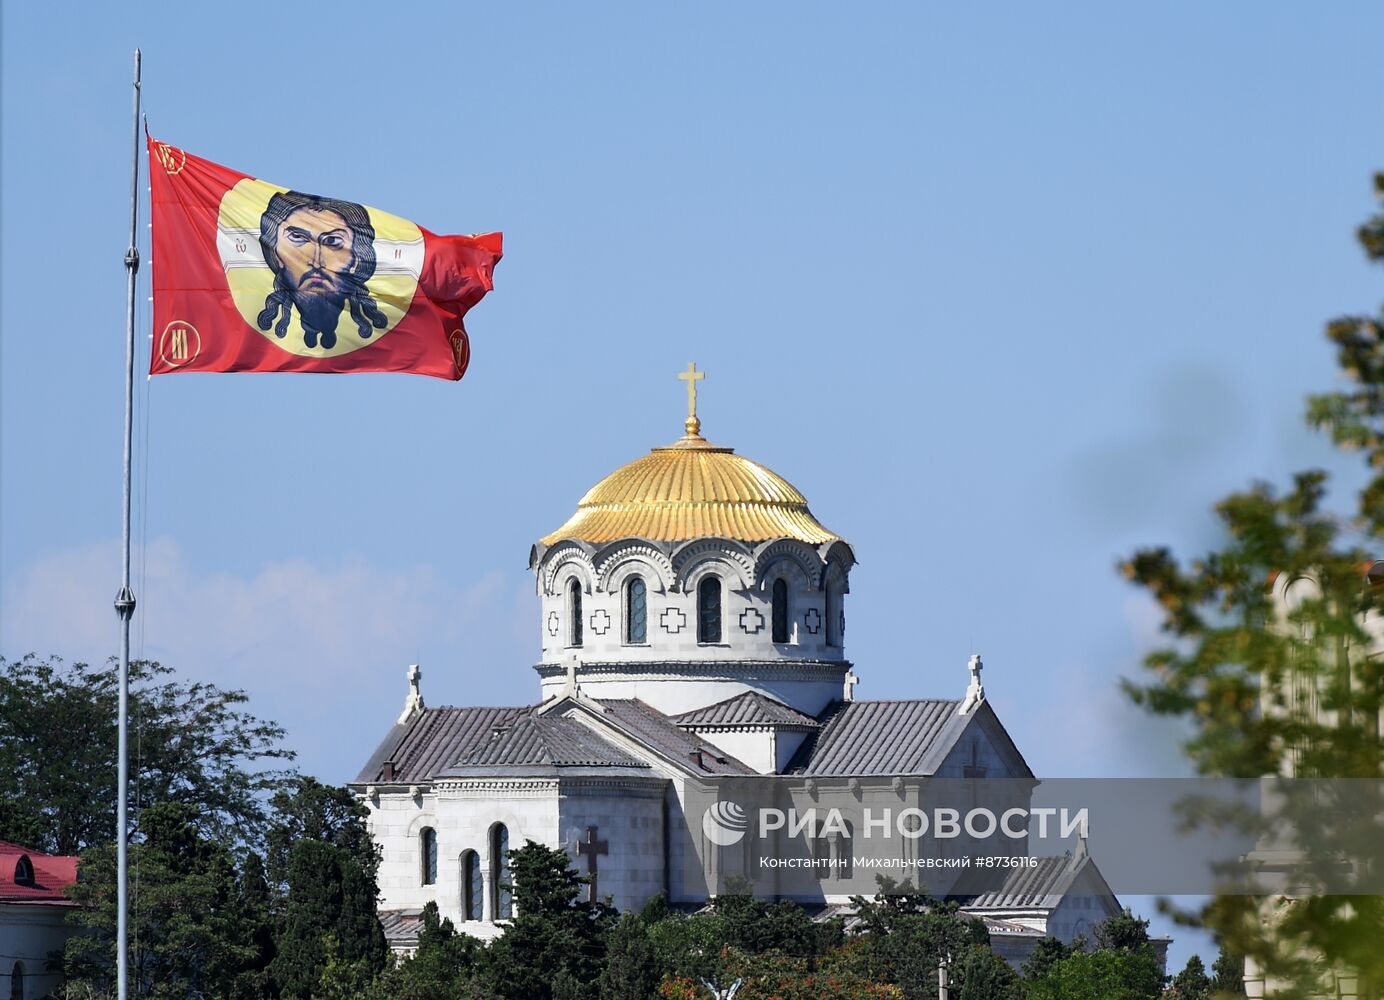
{"points": [[125, 600]]}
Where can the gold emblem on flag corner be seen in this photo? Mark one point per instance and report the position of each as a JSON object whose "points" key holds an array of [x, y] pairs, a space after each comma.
{"points": [[461, 349], [180, 344], [317, 277], [171, 158]]}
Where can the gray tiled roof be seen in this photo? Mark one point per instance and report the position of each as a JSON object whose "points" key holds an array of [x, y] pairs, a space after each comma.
{"points": [[1027, 888], [652, 727], [880, 737], [433, 740], [748, 709], [401, 927], [552, 740]]}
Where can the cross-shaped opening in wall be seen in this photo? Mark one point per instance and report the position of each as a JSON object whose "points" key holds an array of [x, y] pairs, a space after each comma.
{"points": [[591, 848]]}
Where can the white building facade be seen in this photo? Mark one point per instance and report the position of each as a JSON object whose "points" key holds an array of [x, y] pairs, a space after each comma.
{"points": [[692, 624]]}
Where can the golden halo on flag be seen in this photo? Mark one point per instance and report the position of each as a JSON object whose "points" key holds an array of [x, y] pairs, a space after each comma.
{"points": [[317, 277]]}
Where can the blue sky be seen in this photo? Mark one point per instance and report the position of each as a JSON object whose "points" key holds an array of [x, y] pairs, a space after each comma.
{"points": [[1005, 292]]}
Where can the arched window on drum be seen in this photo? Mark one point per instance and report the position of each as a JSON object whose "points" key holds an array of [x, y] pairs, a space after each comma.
{"points": [[836, 617], [574, 636], [709, 610], [779, 611], [636, 611]]}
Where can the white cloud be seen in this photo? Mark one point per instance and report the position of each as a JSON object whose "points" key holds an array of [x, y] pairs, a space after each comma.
{"points": [[321, 649]]}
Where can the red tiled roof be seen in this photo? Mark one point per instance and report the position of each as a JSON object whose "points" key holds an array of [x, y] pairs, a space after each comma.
{"points": [[52, 873]]}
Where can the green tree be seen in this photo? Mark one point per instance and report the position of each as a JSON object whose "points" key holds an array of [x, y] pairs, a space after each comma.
{"points": [[1045, 954], [330, 896], [554, 931], [983, 975], [190, 743], [1228, 973], [1272, 689], [1122, 932], [341, 979], [905, 936], [306, 809], [197, 928], [1100, 975], [322, 867], [1192, 983], [441, 968], [631, 969]]}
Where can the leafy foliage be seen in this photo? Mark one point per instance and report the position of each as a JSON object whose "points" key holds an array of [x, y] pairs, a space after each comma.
{"points": [[1290, 687], [1192, 983], [190, 743], [1100, 975], [442, 968], [196, 928], [554, 933], [331, 899]]}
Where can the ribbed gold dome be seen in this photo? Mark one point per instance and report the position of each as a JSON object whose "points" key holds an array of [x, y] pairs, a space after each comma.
{"points": [[692, 489]]}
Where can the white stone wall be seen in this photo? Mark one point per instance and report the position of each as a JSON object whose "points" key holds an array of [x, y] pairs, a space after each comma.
{"points": [[629, 819], [746, 573], [676, 692], [755, 747], [463, 816], [671, 633], [29, 932], [627, 814]]}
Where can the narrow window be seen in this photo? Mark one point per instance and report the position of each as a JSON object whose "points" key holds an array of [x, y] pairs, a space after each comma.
{"points": [[780, 611], [845, 851], [429, 851], [574, 612], [17, 982], [821, 857], [636, 610], [502, 893], [471, 885], [24, 871], [834, 615], [709, 610]]}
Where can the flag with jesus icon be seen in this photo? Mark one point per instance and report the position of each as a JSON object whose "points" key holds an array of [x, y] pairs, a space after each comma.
{"points": [[250, 276]]}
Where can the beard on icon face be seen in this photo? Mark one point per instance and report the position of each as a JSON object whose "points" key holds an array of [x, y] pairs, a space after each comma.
{"points": [[319, 308]]}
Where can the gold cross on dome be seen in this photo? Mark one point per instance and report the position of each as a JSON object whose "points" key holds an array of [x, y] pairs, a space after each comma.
{"points": [[692, 377]]}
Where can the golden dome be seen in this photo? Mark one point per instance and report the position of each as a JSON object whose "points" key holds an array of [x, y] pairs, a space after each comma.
{"points": [[692, 489]]}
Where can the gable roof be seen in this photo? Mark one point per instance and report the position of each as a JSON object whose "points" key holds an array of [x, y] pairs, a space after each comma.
{"points": [[1041, 887], [749, 708], [554, 741], [432, 740], [659, 732], [880, 738], [52, 874]]}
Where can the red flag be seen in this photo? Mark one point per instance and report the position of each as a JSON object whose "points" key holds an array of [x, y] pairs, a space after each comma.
{"points": [[251, 277]]}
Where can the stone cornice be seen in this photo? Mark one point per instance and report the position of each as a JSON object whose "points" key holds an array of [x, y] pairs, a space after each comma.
{"points": [[650, 787], [748, 727], [730, 670]]}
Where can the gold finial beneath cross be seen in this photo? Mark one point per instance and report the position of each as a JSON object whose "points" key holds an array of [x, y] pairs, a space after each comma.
{"points": [[692, 377]]}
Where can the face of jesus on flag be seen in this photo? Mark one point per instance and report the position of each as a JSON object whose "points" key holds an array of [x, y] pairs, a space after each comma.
{"points": [[303, 282], [322, 254]]}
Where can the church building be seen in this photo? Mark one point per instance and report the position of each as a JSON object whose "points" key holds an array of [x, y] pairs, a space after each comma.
{"points": [[692, 618]]}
